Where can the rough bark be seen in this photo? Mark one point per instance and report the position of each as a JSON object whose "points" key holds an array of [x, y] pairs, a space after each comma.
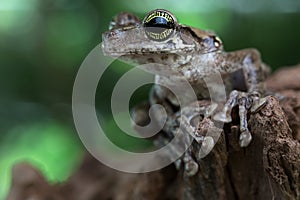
{"points": [[269, 168]]}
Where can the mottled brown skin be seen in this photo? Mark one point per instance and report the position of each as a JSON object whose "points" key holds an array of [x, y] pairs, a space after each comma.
{"points": [[191, 54]]}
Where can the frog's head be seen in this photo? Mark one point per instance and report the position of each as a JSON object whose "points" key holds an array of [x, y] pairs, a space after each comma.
{"points": [[158, 38]]}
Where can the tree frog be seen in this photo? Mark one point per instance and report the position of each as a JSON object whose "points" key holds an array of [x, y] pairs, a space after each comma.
{"points": [[194, 54]]}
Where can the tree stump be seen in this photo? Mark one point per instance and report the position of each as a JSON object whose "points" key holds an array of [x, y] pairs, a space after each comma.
{"points": [[269, 168]]}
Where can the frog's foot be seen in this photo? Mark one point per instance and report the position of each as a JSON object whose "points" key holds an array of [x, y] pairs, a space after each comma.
{"points": [[195, 116], [246, 101], [195, 124], [207, 135], [188, 128]]}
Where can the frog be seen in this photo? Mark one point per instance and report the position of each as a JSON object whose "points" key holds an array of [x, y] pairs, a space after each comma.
{"points": [[193, 54]]}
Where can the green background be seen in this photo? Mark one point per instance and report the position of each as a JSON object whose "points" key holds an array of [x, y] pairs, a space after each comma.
{"points": [[43, 43]]}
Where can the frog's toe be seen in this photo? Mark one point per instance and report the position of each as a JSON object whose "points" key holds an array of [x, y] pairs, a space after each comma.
{"points": [[245, 138], [222, 117], [258, 104], [191, 168], [206, 147]]}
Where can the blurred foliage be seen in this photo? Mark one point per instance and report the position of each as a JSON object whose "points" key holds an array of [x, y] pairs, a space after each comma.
{"points": [[43, 43], [48, 145]]}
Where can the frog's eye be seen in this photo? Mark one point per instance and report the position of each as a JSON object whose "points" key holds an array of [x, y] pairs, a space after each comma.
{"points": [[159, 25]]}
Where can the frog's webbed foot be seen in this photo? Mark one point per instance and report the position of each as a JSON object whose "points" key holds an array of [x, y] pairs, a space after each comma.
{"points": [[206, 135], [204, 132], [193, 119], [245, 101]]}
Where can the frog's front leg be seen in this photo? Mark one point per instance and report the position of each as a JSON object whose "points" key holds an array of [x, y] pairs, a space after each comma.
{"points": [[255, 74]]}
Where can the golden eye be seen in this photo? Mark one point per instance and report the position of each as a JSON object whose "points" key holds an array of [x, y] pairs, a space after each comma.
{"points": [[159, 25]]}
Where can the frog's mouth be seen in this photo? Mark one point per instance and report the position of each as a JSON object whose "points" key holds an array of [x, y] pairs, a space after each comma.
{"points": [[133, 41]]}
